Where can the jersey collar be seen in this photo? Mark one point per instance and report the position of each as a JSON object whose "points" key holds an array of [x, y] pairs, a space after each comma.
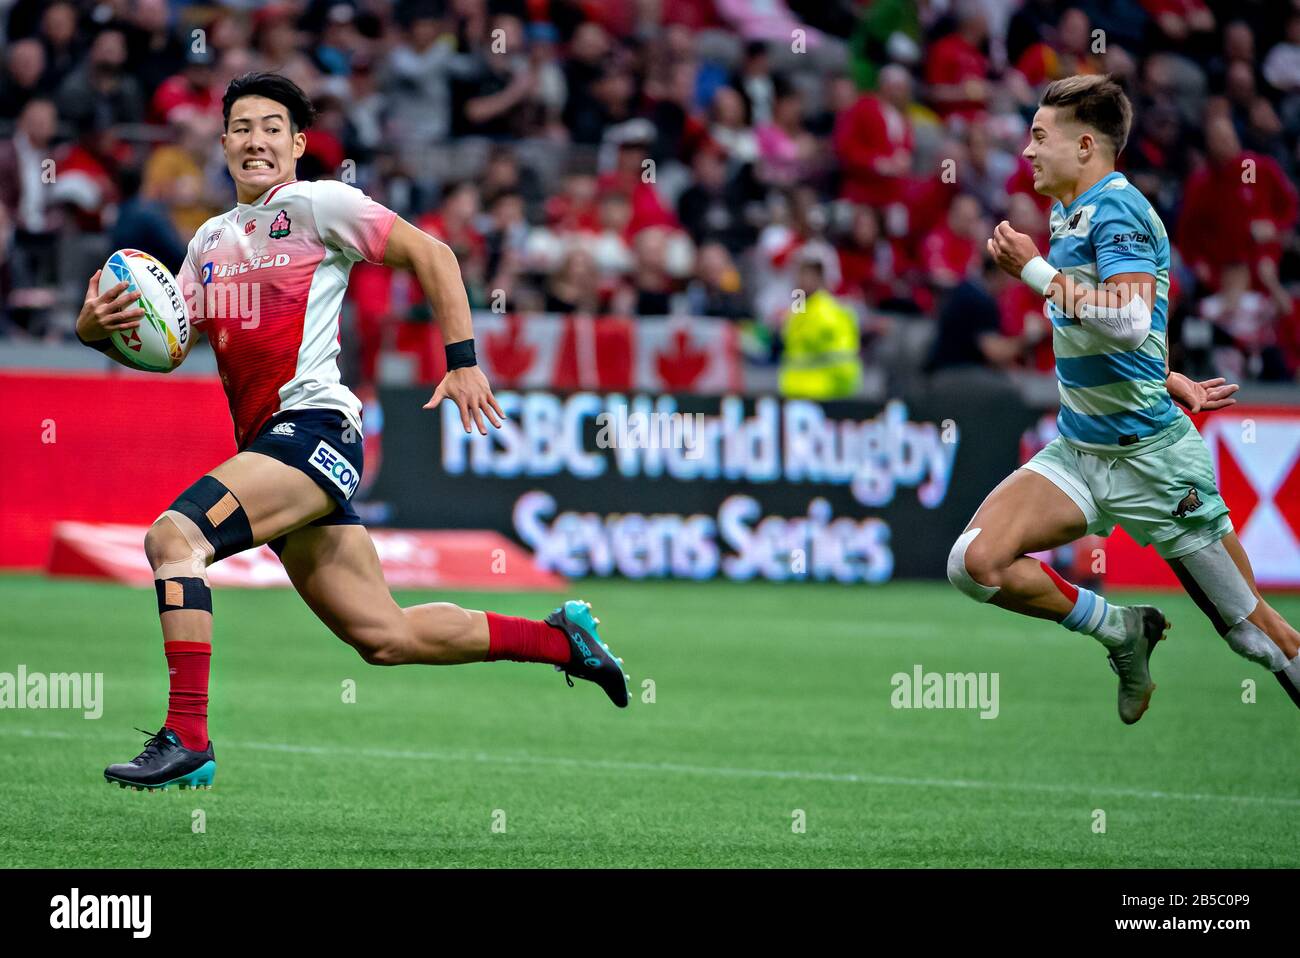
{"points": [[263, 198], [1091, 191]]}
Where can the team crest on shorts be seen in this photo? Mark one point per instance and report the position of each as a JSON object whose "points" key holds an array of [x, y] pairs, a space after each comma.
{"points": [[279, 226], [1189, 503], [330, 462]]}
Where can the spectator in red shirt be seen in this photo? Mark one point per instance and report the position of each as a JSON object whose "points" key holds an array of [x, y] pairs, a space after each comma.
{"points": [[192, 88], [956, 69], [574, 207], [628, 178], [1236, 208], [869, 262], [873, 140], [454, 225], [951, 252]]}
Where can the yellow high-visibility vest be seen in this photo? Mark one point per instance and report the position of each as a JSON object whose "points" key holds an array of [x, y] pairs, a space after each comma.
{"points": [[821, 358]]}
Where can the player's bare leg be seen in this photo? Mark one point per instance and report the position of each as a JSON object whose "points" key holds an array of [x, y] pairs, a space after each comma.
{"points": [[247, 500], [336, 571], [1221, 582], [1025, 513], [1028, 513]]}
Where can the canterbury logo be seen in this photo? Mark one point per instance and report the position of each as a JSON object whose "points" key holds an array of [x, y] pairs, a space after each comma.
{"points": [[1189, 503], [282, 429]]}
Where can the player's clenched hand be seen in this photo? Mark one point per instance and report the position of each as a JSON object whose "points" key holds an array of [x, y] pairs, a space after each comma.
{"points": [[103, 314], [1011, 250], [1203, 396], [468, 388]]}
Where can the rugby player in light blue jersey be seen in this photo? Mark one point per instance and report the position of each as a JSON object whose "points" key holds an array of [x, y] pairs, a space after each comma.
{"points": [[1126, 454]]}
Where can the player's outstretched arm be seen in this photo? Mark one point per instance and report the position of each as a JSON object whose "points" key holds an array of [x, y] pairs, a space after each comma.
{"points": [[103, 314], [436, 269]]}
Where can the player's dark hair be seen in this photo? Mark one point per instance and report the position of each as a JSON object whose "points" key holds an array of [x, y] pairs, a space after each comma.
{"points": [[275, 87], [1095, 101]]}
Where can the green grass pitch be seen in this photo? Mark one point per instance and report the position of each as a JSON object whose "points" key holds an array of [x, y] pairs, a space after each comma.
{"points": [[769, 701]]}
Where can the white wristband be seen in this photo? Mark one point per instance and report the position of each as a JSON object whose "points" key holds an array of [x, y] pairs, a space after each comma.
{"points": [[1038, 273]]}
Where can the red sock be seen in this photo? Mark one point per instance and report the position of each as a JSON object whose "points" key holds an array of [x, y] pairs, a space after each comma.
{"points": [[1067, 590], [525, 640], [187, 705]]}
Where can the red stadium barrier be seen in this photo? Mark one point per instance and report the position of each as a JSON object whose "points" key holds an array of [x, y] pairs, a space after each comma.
{"points": [[83, 450], [411, 560], [116, 448]]}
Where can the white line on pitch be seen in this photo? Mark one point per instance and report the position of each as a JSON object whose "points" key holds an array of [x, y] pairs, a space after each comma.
{"points": [[847, 778]]}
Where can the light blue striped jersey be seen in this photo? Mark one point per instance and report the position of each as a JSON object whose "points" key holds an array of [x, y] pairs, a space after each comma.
{"points": [[1110, 393]]}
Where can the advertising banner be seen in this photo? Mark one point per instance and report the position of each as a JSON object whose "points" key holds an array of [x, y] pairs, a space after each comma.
{"points": [[665, 486], [1256, 455]]}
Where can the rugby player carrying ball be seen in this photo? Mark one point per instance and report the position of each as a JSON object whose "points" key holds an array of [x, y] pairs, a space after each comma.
{"points": [[299, 429]]}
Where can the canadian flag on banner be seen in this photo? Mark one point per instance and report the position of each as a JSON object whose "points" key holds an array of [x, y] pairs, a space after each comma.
{"points": [[686, 355], [518, 352]]}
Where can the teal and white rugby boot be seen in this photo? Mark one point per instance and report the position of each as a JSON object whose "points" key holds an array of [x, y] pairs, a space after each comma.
{"points": [[589, 657]]}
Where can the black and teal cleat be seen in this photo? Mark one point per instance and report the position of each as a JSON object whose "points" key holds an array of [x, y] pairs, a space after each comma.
{"points": [[164, 762], [589, 657]]}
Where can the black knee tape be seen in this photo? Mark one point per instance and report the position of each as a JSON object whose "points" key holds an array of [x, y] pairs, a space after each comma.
{"points": [[183, 592], [1290, 689], [215, 510]]}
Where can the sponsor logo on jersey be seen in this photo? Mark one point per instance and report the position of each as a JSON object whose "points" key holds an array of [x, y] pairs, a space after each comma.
{"points": [[330, 462], [1124, 242], [282, 429], [211, 241], [280, 226], [255, 263], [207, 272], [250, 226]]}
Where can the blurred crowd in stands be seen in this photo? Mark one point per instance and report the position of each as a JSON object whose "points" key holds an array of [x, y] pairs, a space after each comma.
{"points": [[724, 158]]}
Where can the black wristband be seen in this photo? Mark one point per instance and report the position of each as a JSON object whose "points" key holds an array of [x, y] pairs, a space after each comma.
{"points": [[103, 345], [460, 354]]}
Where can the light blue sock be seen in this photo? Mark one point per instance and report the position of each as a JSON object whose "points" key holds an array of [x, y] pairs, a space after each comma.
{"points": [[1093, 615]]}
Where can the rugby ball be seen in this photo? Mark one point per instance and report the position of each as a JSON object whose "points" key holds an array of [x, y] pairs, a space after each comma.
{"points": [[163, 338]]}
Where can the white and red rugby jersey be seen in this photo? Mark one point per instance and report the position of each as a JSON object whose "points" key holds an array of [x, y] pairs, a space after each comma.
{"points": [[265, 283]]}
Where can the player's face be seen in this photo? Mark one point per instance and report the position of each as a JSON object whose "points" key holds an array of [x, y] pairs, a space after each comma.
{"points": [[1053, 152], [261, 148]]}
